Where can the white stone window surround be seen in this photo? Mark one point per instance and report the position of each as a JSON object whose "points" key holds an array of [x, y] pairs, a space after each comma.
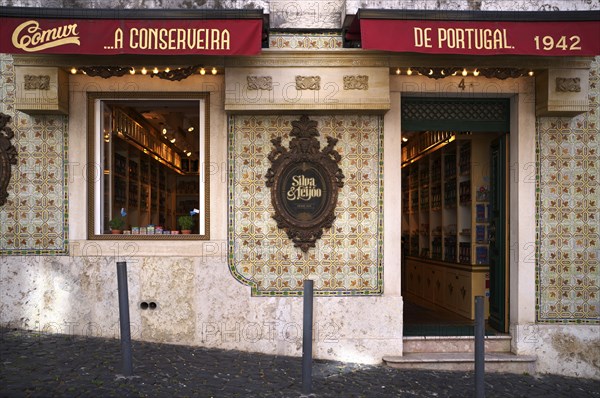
{"points": [[79, 244], [98, 147]]}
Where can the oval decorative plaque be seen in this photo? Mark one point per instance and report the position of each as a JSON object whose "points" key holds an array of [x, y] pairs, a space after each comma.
{"points": [[304, 182]]}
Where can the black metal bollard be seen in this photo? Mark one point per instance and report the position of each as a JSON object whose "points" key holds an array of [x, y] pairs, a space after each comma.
{"points": [[479, 347], [124, 318], [307, 323]]}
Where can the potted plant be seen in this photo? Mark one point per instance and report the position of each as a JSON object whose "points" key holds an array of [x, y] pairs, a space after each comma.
{"points": [[186, 223], [117, 224]]}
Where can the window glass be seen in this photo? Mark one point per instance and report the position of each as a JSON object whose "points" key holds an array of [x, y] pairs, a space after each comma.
{"points": [[152, 157]]}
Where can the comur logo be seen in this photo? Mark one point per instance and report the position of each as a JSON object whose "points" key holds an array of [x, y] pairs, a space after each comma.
{"points": [[30, 37]]}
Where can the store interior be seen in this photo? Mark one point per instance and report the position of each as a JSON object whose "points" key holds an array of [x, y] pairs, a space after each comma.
{"points": [[447, 235]]}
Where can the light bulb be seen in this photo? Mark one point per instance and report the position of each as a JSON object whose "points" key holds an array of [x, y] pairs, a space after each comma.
{"points": [[398, 71], [476, 72], [530, 73], [155, 70], [73, 70], [202, 71], [144, 71], [409, 72], [167, 70], [132, 71], [214, 71], [464, 72]]}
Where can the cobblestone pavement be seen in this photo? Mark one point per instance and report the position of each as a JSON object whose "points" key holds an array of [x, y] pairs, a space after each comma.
{"points": [[41, 365]]}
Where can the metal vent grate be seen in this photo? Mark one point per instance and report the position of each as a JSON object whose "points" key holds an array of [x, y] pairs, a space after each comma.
{"points": [[457, 114]]}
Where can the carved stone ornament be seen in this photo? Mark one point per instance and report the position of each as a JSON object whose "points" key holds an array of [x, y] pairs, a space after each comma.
{"points": [[308, 82], [568, 84], [105, 72], [34, 82], [356, 82], [8, 156], [176, 74], [304, 181], [260, 82]]}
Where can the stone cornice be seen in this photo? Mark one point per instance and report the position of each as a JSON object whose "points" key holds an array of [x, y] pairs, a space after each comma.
{"points": [[338, 58], [505, 61]]}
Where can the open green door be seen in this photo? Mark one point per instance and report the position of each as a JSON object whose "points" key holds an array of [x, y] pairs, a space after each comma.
{"points": [[497, 235]]}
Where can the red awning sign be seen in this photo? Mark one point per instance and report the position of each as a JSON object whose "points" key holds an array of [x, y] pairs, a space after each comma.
{"points": [[129, 36], [557, 38]]}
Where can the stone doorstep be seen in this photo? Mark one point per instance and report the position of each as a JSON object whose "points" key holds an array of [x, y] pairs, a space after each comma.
{"points": [[462, 344], [458, 361]]}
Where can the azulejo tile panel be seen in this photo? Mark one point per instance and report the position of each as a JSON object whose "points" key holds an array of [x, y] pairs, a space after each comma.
{"points": [[34, 220], [306, 42], [347, 260], [567, 201]]}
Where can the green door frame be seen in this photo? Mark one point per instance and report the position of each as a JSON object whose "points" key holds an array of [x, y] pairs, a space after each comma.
{"points": [[498, 235]]}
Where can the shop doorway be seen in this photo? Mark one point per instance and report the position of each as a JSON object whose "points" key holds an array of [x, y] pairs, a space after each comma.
{"points": [[454, 214]]}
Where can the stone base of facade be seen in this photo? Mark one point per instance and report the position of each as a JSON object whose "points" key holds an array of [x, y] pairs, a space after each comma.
{"points": [[196, 304]]}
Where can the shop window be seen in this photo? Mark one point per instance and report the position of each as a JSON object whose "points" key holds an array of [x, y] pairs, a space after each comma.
{"points": [[150, 157]]}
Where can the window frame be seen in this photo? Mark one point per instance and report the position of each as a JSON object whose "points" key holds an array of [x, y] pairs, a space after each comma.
{"points": [[94, 168]]}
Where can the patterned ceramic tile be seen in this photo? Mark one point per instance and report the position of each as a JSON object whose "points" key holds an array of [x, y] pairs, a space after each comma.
{"points": [[34, 220], [348, 258], [306, 41], [568, 194]]}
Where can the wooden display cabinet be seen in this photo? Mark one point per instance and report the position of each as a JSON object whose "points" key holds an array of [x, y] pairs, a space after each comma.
{"points": [[445, 222], [139, 179]]}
